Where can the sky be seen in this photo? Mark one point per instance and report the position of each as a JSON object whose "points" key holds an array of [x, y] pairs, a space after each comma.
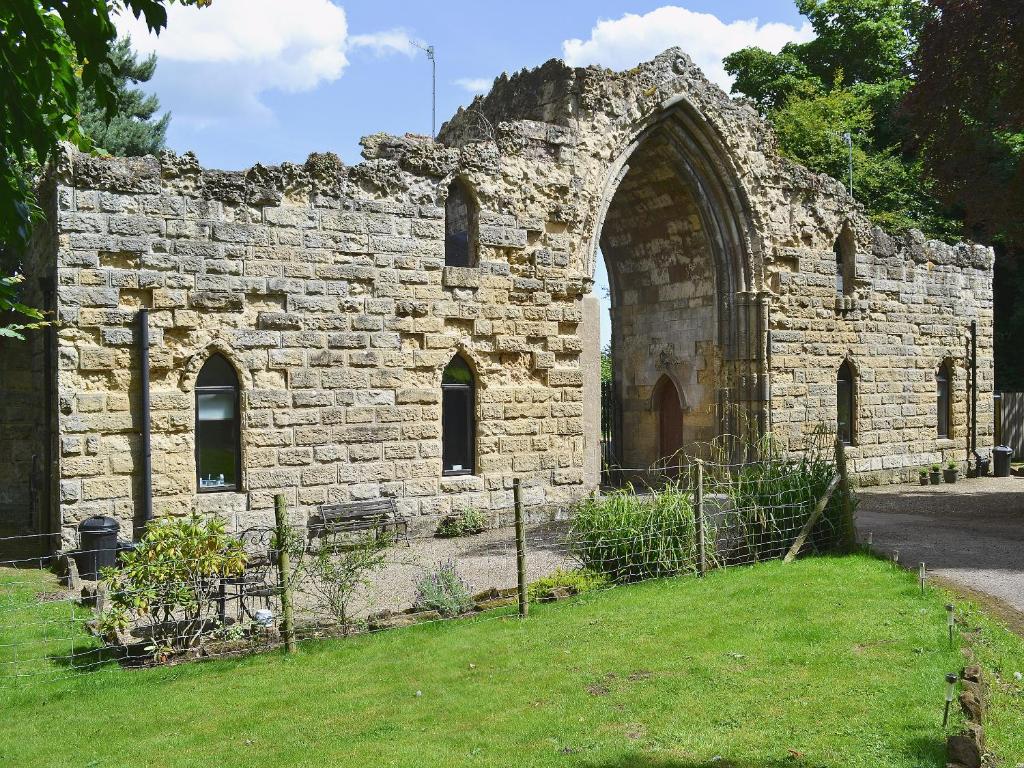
{"points": [[268, 81]]}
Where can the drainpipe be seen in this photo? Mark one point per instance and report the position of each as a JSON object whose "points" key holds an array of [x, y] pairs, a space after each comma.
{"points": [[768, 378], [974, 389], [147, 448], [764, 355]]}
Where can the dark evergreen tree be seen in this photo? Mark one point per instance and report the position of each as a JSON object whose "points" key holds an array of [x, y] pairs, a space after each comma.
{"points": [[133, 129], [966, 113]]}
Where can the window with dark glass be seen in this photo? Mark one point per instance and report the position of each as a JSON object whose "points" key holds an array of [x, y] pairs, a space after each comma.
{"points": [[944, 401], [458, 421], [218, 444], [459, 221], [844, 402]]}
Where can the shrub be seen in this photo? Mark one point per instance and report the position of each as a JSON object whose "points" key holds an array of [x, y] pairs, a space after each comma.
{"points": [[772, 498], [444, 591], [627, 536], [466, 523], [574, 582], [335, 571], [169, 582]]}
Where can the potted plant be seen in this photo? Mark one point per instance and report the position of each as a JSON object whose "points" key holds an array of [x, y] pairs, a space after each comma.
{"points": [[935, 474], [922, 476], [951, 472]]}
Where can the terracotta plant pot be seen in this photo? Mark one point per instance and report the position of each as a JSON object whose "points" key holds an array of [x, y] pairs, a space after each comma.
{"points": [[950, 475], [935, 477]]}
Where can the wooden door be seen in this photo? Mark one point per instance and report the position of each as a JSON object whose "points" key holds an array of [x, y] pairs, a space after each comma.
{"points": [[670, 421]]}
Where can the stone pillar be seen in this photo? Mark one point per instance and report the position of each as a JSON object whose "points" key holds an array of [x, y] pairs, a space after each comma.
{"points": [[590, 362]]}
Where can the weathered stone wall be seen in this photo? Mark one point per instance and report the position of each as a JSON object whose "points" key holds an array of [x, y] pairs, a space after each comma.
{"points": [[325, 287], [339, 315], [26, 371], [911, 310]]}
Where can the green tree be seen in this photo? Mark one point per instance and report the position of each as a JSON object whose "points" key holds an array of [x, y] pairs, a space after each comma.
{"points": [[22, 317], [51, 51], [965, 111], [850, 78], [133, 129]]}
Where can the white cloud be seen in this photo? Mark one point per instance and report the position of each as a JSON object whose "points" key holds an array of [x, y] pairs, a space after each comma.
{"points": [[388, 41], [622, 43], [216, 62], [293, 50], [474, 84]]}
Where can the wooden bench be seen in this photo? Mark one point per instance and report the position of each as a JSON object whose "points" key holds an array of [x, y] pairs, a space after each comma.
{"points": [[376, 515]]}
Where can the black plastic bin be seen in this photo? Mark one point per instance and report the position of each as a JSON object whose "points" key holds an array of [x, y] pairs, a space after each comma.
{"points": [[1001, 456], [97, 546]]}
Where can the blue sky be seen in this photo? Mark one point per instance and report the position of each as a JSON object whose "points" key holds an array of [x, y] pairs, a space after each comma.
{"points": [[267, 81]]}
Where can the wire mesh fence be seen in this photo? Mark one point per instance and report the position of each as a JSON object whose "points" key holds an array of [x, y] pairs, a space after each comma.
{"points": [[193, 588]]}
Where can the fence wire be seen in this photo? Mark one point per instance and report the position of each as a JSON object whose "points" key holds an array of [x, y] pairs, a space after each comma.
{"points": [[192, 589]]}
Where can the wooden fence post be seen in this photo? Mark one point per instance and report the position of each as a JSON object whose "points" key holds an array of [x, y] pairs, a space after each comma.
{"points": [[809, 525], [284, 571], [698, 518], [517, 494]]}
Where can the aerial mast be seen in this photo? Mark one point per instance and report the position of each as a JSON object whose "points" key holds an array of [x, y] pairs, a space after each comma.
{"points": [[429, 50]]}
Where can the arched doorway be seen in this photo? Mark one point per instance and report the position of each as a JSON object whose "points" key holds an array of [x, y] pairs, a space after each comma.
{"points": [[674, 237], [670, 421]]}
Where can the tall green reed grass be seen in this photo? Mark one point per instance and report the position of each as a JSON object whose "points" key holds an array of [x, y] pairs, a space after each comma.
{"points": [[631, 536]]}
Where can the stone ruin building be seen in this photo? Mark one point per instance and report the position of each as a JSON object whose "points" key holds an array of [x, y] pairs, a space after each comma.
{"points": [[421, 325]]}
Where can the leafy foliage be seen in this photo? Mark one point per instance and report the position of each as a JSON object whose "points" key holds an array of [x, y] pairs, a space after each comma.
{"points": [[167, 585], [629, 536], [607, 364], [132, 129], [466, 523], [965, 111], [335, 572], [50, 51], [575, 582], [444, 591], [966, 108], [11, 305], [772, 499], [850, 78]]}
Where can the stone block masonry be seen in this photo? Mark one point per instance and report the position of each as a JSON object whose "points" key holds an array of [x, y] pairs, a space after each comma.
{"points": [[326, 288]]}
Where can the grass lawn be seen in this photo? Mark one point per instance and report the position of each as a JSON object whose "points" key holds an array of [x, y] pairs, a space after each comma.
{"points": [[839, 660]]}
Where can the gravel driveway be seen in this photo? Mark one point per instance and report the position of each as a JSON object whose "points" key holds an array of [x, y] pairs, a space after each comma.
{"points": [[970, 534], [485, 561]]}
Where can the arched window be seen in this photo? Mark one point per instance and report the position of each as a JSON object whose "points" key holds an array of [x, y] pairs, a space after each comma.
{"points": [[944, 400], [218, 437], [459, 227], [458, 418], [845, 249], [845, 411]]}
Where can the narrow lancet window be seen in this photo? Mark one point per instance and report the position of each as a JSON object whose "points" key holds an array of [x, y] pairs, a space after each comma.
{"points": [[458, 418], [459, 227], [218, 434]]}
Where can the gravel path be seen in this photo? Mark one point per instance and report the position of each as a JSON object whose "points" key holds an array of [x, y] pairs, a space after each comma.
{"points": [[484, 561], [970, 534]]}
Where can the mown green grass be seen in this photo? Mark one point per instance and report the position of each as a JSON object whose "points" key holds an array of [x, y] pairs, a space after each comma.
{"points": [[839, 660]]}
